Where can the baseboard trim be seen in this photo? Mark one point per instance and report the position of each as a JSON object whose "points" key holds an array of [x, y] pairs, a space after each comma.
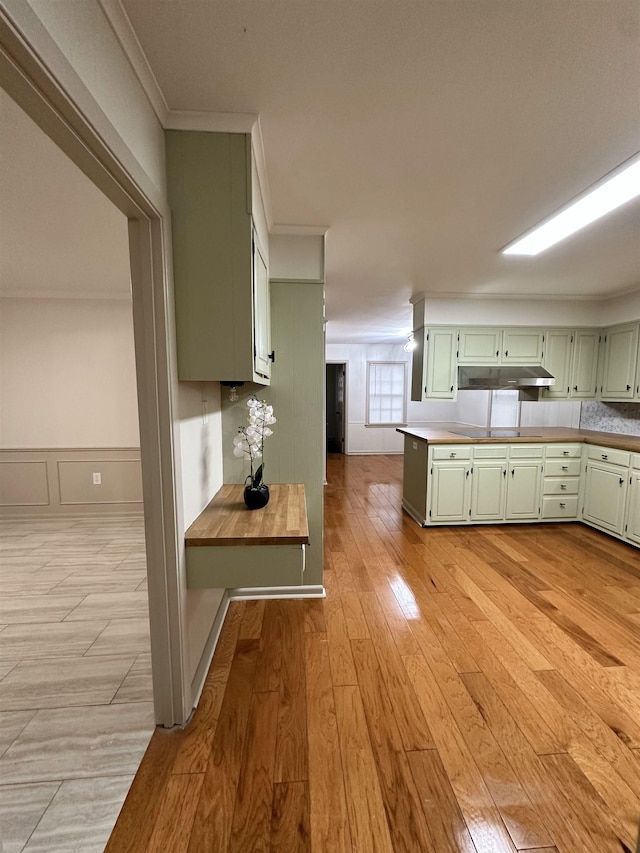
{"points": [[413, 513], [250, 593], [198, 681]]}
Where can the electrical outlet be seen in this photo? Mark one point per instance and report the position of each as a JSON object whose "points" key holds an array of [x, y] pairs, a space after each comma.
{"points": [[97, 478]]}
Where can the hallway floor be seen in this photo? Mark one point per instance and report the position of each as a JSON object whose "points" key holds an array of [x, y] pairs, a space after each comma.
{"points": [[459, 690], [76, 710]]}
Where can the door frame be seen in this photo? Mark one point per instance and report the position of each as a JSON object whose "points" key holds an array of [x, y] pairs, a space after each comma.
{"points": [[37, 75], [346, 402]]}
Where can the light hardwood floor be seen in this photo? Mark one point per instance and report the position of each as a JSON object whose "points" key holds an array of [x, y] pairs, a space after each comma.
{"points": [[76, 710], [460, 690]]}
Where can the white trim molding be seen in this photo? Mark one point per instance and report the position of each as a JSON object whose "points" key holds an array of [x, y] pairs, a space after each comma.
{"points": [[248, 593]]}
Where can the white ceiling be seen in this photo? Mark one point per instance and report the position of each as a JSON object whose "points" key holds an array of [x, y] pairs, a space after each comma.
{"points": [[60, 237], [426, 133]]}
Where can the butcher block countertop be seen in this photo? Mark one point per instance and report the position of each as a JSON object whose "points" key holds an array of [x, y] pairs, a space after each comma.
{"points": [[442, 434], [227, 521]]}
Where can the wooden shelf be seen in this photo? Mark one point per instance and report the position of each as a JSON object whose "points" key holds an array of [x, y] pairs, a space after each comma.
{"points": [[226, 520]]}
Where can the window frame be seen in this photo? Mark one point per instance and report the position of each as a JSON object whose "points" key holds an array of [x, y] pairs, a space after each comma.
{"points": [[375, 424]]}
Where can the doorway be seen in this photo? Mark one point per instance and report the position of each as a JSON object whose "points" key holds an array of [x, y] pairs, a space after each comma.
{"points": [[335, 406]]}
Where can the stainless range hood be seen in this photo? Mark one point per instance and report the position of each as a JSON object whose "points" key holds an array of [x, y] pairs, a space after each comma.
{"points": [[529, 380]]}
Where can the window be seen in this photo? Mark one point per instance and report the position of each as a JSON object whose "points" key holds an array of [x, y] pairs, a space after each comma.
{"points": [[386, 392]]}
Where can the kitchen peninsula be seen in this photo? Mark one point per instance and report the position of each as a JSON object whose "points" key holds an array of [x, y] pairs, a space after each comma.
{"points": [[454, 474]]}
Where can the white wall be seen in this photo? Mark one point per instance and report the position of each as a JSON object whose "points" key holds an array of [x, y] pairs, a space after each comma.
{"points": [[67, 375]]}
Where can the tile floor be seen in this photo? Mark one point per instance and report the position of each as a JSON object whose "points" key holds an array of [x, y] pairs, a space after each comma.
{"points": [[76, 709]]}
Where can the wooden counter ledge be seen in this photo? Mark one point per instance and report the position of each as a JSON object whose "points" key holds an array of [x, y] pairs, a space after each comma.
{"points": [[227, 521]]}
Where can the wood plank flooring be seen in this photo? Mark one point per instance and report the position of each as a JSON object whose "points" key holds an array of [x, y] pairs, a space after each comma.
{"points": [[460, 690]]}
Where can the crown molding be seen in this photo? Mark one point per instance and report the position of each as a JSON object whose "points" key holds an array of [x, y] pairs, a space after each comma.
{"points": [[220, 122], [300, 230], [132, 49]]}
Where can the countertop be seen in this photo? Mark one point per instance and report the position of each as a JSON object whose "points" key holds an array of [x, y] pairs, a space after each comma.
{"points": [[227, 521], [441, 434]]}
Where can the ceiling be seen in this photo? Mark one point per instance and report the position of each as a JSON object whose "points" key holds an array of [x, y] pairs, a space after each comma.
{"points": [[426, 134]]}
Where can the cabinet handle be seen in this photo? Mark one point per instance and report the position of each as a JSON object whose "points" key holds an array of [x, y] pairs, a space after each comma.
{"points": [[497, 353], [513, 472], [506, 352], [565, 467], [628, 387], [575, 387], [452, 455], [621, 480], [272, 356], [562, 506], [565, 452], [451, 389], [604, 455], [563, 485], [504, 473], [467, 474]]}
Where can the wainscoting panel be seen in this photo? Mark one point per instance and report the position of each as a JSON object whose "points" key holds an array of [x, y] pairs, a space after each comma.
{"points": [[61, 481], [23, 483]]}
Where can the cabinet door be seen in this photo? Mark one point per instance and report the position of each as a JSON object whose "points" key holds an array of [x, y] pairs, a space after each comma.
{"points": [[449, 493], [488, 481], [632, 521], [479, 346], [620, 353], [418, 365], [523, 490], [557, 360], [638, 376], [261, 318], [522, 346], [584, 368], [604, 496], [441, 380]]}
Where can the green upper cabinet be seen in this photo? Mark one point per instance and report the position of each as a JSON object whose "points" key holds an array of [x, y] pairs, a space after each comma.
{"points": [[479, 346], [584, 368], [557, 360], [619, 365], [522, 346], [220, 274], [441, 379]]}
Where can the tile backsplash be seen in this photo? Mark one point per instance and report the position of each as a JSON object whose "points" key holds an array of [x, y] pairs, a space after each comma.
{"points": [[611, 417]]}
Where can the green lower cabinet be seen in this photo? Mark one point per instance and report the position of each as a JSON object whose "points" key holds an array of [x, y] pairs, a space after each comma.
{"points": [[233, 566], [604, 496], [488, 489], [523, 489], [632, 521], [450, 491]]}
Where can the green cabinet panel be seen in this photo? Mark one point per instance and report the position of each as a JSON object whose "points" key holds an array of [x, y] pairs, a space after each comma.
{"points": [[523, 489], [232, 566], [620, 362], [522, 346], [557, 360], [414, 481], [488, 489], [221, 296], [584, 368], [632, 521], [449, 492], [479, 346], [419, 365], [604, 495], [441, 379]]}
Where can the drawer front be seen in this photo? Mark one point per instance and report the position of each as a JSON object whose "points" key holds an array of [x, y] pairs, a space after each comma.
{"points": [[561, 485], [559, 507], [565, 451], [635, 460], [609, 455], [452, 451], [562, 467], [526, 451], [490, 451]]}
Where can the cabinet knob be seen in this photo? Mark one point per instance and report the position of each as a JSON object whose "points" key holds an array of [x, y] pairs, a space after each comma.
{"points": [[562, 506], [565, 467], [605, 455], [563, 485], [565, 452], [452, 454]]}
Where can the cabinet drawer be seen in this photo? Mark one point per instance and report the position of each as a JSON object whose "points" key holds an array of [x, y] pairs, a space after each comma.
{"points": [[526, 451], [490, 451], [635, 460], [553, 507], [561, 485], [565, 451], [609, 455], [452, 451], [562, 467]]}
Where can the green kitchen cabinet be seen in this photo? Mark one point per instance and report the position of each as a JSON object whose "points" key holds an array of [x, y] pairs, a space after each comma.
{"points": [[522, 345], [632, 520], [440, 374], [524, 479], [584, 367], [605, 495], [557, 360], [488, 489], [619, 362], [220, 270], [479, 346], [449, 490]]}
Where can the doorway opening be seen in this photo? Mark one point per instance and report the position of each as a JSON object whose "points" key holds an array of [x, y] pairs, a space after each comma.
{"points": [[335, 404]]}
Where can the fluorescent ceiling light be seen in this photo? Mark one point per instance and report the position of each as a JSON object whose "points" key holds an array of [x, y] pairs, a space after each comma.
{"points": [[617, 188]]}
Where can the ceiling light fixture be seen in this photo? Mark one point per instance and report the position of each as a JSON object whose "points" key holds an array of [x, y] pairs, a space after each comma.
{"points": [[614, 190], [411, 343]]}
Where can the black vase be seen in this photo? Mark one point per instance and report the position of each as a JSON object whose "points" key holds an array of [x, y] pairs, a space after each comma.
{"points": [[256, 498]]}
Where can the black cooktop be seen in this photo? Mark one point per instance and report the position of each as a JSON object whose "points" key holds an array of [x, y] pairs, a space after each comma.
{"points": [[496, 432]]}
